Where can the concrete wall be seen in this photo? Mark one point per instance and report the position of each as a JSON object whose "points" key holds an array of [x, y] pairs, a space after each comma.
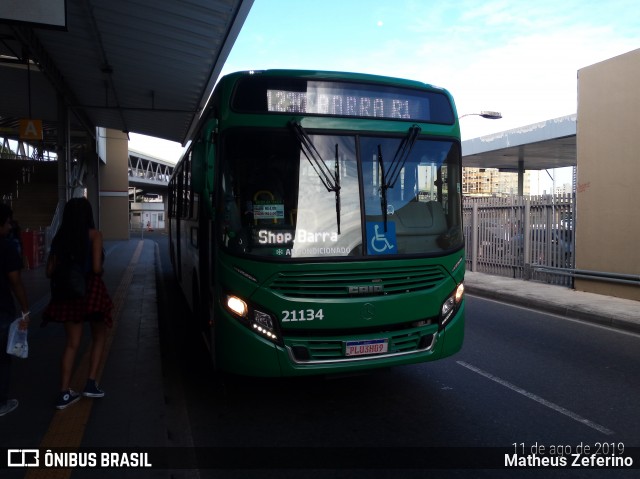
{"points": [[114, 186], [608, 149]]}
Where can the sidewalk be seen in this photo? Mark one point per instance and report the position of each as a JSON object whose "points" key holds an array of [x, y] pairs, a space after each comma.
{"points": [[604, 310], [133, 410]]}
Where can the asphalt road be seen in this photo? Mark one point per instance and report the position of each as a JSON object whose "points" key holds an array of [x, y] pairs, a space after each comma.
{"points": [[523, 380]]}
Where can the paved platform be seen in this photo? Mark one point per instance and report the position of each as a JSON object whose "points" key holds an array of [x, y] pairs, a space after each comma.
{"points": [[132, 413], [604, 310], [134, 410]]}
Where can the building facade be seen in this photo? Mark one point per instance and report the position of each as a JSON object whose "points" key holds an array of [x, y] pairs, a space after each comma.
{"points": [[482, 182], [608, 152]]}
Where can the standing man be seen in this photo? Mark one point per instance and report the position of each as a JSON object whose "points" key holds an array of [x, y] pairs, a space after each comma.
{"points": [[10, 282]]}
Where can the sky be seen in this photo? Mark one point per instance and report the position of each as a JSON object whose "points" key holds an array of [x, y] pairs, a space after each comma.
{"points": [[520, 58]]}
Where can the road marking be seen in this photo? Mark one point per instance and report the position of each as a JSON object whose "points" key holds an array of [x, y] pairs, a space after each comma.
{"points": [[537, 399], [67, 426]]}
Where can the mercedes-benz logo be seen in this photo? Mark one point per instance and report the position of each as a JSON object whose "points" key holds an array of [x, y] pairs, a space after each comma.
{"points": [[368, 311]]}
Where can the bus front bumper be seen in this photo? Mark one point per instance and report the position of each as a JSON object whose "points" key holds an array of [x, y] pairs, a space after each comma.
{"points": [[244, 352]]}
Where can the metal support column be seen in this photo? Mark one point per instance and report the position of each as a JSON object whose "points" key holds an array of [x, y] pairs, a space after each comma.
{"points": [[521, 171], [64, 153], [92, 178], [474, 238]]}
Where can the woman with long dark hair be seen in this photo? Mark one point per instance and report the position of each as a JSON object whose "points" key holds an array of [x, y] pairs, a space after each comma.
{"points": [[78, 241]]}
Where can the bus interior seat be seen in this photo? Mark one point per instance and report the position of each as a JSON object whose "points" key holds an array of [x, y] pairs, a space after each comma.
{"points": [[420, 218], [418, 226]]}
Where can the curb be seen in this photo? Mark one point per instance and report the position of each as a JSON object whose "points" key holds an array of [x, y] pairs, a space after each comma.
{"points": [[551, 308]]}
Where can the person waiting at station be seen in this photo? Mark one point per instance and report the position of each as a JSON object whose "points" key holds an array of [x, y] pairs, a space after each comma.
{"points": [[77, 240], [10, 282]]}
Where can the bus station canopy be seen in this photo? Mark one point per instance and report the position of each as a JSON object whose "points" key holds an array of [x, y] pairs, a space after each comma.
{"points": [[540, 146], [142, 66]]}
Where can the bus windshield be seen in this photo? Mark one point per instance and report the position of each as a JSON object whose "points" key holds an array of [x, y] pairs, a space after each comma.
{"points": [[290, 194]]}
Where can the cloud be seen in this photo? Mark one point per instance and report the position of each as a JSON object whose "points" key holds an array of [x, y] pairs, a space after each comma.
{"points": [[534, 77], [517, 57]]}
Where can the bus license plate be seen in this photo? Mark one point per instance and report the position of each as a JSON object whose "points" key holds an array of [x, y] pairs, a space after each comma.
{"points": [[369, 346]]}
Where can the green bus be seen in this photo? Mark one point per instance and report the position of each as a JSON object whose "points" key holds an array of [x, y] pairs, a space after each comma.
{"points": [[315, 223]]}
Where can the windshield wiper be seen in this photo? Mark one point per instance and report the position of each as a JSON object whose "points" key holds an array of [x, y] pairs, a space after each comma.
{"points": [[397, 164], [337, 190], [331, 181], [383, 188], [402, 153]]}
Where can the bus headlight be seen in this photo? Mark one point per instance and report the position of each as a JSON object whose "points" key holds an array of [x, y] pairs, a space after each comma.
{"points": [[237, 306], [451, 305], [263, 324], [258, 321]]}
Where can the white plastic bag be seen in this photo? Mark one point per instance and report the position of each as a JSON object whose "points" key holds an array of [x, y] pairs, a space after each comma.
{"points": [[17, 344]]}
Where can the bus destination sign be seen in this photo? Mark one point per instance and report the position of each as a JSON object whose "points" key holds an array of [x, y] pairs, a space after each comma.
{"points": [[339, 99]]}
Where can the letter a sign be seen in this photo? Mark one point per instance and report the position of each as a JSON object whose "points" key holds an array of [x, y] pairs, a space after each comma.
{"points": [[30, 129]]}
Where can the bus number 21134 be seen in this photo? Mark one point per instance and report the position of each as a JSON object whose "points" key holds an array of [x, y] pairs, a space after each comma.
{"points": [[302, 315]]}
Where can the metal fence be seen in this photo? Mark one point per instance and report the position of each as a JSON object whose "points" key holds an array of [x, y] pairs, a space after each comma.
{"points": [[520, 236]]}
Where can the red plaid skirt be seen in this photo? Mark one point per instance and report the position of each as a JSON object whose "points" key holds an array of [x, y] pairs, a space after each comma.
{"points": [[95, 306]]}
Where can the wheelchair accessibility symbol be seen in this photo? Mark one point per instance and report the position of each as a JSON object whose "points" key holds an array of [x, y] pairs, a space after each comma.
{"points": [[380, 242]]}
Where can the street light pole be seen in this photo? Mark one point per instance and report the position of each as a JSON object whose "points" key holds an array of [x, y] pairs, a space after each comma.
{"points": [[490, 115]]}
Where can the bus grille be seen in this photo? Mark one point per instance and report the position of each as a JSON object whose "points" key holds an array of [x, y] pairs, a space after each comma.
{"points": [[305, 350], [333, 284]]}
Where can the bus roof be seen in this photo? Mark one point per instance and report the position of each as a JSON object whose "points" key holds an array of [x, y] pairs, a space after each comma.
{"points": [[335, 75]]}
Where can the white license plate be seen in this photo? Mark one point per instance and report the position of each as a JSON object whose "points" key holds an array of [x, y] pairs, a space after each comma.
{"points": [[368, 346]]}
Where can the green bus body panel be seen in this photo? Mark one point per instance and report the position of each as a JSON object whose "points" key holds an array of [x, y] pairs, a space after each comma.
{"points": [[241, 351], [454, 333], [345, 312], [244, 352]]}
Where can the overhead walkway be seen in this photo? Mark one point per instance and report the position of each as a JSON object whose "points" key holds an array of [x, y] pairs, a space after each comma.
{"points": [[148, 178], [148, 173], [30, 185]]}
